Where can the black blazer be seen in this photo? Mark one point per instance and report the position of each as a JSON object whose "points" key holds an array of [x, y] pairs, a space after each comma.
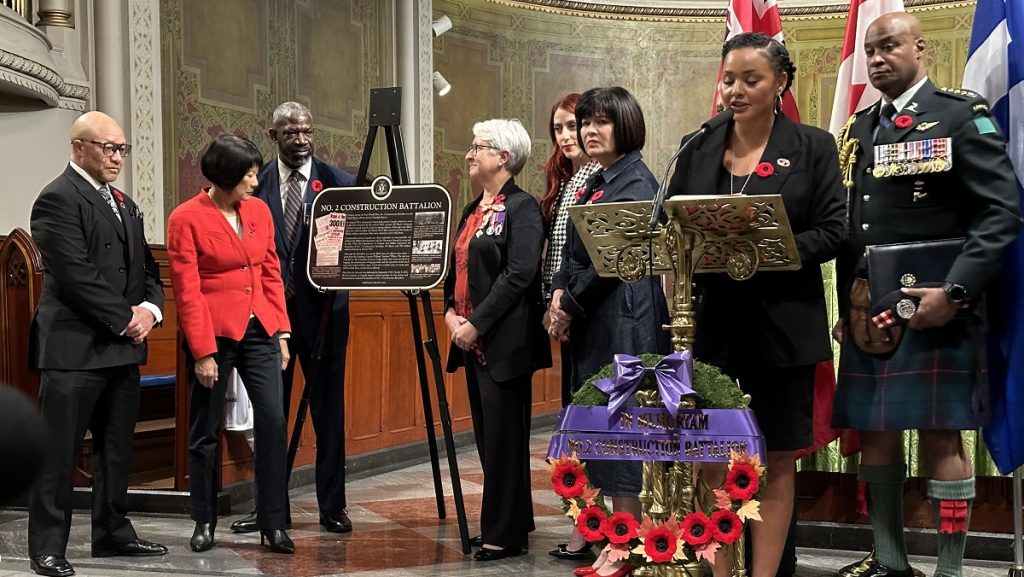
{"points": [[775, 319], [306, 304], [95, 270], [504, 287]]}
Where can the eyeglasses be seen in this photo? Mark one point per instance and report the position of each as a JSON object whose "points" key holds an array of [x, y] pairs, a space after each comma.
{"points": [[110, 148], [475, 149]]}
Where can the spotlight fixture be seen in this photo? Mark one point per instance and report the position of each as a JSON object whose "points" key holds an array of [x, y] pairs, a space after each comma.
{"points": [[441, 86], [441, 25]]}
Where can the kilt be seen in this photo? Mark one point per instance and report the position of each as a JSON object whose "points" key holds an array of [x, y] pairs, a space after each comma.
{"points": [[935, 379]]}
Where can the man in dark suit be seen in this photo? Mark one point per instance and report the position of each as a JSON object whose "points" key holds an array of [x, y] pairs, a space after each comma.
{"points": [[289, 184], [923, 164], [101, 296]]}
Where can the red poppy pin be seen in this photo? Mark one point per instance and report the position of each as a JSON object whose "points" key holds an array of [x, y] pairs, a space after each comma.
{"points": [[765, 169], [579, 193], [316, 185], [252, 228], [596, 196], [903, 121]]}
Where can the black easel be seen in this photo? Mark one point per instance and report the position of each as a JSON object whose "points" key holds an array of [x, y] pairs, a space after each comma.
{"points": [[385, 111]]}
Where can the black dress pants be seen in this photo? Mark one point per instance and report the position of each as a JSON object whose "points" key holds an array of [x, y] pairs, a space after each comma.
{"points": [[106, 402], [501, 426], [258, 360]]}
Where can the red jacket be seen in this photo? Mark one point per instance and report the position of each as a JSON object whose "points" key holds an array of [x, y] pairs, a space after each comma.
{"points": [[220, 278]]}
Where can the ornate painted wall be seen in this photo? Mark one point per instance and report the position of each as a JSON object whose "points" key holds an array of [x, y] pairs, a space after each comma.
{"points": [[227, 64], [507, 60]]}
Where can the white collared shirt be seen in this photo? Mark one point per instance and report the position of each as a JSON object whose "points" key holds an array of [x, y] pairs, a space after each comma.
{"points": [[284, 172]]}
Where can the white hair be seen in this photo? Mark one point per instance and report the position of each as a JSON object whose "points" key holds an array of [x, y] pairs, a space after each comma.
{"points": [[508, 135], [288, 110]]}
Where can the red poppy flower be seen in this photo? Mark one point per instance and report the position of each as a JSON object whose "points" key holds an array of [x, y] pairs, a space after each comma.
{"points": [[569, 480], [903, 121], [316, 185], [117, 195], [589, 522], [579, 193], [742, 482], [765, 169], [726, 526], [620, 528], [596, 196], [660, 545], [696, 529]]}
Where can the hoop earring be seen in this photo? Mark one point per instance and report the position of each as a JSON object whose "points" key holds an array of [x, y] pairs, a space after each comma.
{"points": [[778, 103]]}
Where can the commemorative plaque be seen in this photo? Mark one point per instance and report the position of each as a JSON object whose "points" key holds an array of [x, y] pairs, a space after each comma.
{"points": [[382, 236]]}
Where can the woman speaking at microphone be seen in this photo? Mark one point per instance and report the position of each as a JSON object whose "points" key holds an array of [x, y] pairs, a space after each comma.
{"points": [[768, 332]]}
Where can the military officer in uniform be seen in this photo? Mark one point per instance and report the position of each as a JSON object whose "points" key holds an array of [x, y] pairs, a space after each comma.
{"points": [[923, 164]]}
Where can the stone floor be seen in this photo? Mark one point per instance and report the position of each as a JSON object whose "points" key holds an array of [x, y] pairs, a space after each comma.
{"points": [[397, 534]]}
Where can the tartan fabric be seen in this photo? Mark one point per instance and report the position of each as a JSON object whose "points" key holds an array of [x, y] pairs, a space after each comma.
{"points": [[936, 379], [556, 239]]}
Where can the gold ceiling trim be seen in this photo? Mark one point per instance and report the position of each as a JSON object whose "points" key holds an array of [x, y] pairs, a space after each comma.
{"points": [[612, 12]]}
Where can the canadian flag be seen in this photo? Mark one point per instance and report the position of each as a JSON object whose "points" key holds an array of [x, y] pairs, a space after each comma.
{"points": [[755, 16], [853, 91]]}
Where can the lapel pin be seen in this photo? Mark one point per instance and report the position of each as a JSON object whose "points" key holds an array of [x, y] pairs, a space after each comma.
{"points": [[925, 126], [783, 162], [912, 107]]}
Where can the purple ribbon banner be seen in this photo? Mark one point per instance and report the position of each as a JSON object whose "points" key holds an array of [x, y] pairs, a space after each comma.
{"points": [[646, 434], [672, 374]]}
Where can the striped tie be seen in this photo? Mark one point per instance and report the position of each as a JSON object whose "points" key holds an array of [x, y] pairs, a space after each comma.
{"points": [[293, 204]]}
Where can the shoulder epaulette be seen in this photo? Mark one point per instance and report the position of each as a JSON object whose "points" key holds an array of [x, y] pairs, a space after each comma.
{"points": [[961, 93]]}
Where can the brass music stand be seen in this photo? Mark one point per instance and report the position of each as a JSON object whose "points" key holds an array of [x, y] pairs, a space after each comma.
{"points": [[737, 235]]}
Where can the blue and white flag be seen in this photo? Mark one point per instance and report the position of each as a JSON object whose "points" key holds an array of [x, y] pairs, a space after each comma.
{"points": [[995, 69]]}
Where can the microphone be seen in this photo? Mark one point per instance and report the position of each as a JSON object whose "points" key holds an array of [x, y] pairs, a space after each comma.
{"points": [[709, 126]]}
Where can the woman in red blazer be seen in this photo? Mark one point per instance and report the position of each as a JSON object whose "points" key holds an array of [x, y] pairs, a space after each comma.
{"points": [[227, 285]]}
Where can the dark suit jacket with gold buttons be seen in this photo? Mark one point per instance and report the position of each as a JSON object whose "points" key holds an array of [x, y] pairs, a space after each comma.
{"points": [[976, 199]]}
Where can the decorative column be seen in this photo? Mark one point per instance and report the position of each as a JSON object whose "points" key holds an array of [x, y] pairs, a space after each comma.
{"points": [[415, 64], [55, 13], [147, 115]]}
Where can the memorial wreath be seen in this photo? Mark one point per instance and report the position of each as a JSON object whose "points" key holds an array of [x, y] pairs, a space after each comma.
{"points": [[717, 520]]}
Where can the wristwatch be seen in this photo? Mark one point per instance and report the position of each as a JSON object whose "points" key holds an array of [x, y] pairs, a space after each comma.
{"points": [[956, 292]]}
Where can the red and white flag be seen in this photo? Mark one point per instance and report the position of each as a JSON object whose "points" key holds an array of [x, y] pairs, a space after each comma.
{"points": [[755, 16], [853, 91]]}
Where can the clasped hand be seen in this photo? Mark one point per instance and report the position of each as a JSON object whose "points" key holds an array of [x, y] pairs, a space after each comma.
{"points": [[142, 322], [558, 320], [464, 334], [935, 308]]}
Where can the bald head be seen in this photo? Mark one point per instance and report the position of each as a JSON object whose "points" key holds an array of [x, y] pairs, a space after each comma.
{"points": [[895, 50], [89, 135]]}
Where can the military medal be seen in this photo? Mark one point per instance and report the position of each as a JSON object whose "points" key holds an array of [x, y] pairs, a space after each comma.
{"points": [[906, 308]]}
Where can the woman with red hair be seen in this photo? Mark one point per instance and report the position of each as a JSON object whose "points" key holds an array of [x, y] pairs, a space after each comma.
{"points": [[568, 168]]}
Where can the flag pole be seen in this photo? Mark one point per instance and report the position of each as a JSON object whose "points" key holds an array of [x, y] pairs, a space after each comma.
{"points": [[1017, 570]]}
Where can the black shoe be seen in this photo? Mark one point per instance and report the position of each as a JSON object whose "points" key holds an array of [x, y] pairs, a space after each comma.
{"points": [[279, 541], [136, 548], [477, 541], [202, 537], [246, 524], [485, 554], [577, 555], [870, 567], [336, 522], [52, 565]]}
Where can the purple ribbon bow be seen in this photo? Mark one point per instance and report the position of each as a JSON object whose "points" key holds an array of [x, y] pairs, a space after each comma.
{"points": [[673, 374]]}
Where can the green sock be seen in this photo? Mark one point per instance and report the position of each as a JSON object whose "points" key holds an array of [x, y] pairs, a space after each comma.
{"points": [[885, 507], [952, 502]]}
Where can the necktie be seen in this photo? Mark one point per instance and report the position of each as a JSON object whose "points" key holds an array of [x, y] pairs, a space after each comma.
{"points": [[293, 203], [885, 116], [105, 193]]}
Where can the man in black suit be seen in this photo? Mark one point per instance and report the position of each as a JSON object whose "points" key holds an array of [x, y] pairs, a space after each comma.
{"points": [[288, 184], [923, 164], [101, 296]]}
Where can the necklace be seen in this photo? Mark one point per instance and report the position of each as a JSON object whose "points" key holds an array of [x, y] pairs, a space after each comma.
{"points": [[732, 178]]}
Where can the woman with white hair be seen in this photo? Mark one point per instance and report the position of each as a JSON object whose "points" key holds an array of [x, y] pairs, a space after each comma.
{"points": [[493, 309]]}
